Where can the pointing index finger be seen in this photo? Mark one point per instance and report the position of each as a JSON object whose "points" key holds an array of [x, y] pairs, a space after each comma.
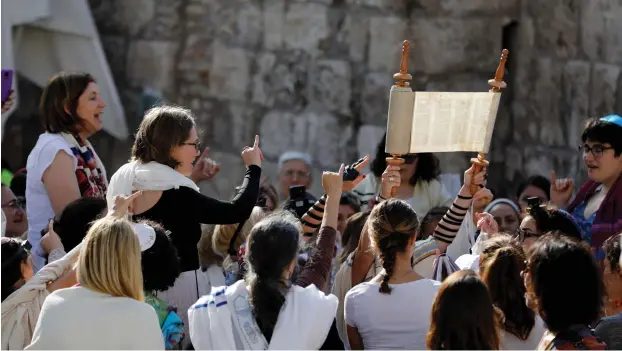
{"points": [[204, 154], [256, 141]]}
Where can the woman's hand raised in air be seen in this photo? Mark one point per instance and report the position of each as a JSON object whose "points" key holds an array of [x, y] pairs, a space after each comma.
{"points": [[390, 179], [252, 155], [333, 182]]}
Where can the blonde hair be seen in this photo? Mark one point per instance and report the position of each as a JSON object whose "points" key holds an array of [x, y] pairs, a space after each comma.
{"points": [[224, 232], [110, 259]]}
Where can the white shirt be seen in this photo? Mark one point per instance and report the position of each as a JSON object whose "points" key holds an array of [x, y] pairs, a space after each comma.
{"points": [[400, 320], [79, 318], [38, 206], [509, 341]]}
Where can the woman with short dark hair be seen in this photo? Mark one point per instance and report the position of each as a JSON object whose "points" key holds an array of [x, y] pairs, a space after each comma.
{"points": [[595, 206], [63, 165], [165, 148], [564, 284]]}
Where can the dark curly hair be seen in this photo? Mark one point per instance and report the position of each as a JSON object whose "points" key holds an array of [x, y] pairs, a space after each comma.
{"points": [[392, 224], [160, 263], [13, 255], [428, 165], [272, 246], [612, 252], [76, 220], [566, 282]]}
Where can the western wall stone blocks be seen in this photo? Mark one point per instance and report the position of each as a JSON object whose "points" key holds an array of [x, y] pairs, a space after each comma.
{"points": [[455, 44], [305, 25], [229, 74], [603, 89]]}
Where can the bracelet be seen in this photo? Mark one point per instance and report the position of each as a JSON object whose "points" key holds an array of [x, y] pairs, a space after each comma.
{"points": [[465, 197], [379, 198]]}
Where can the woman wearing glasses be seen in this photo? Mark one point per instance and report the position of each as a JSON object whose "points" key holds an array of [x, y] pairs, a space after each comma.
{"points": [[596, 206], [165, 147], [541, 219], [14, 210]]}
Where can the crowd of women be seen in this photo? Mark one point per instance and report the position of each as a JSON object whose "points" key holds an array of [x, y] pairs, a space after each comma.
{"points": [[143, 260]]}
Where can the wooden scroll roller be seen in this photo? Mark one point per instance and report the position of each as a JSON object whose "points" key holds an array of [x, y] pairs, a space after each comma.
{"points": [[403, 79], [497, 84]]}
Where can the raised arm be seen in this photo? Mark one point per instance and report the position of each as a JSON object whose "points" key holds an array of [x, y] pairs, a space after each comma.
{"points": [[313, 217], [449, 225], [212, 211], [317, 269]]}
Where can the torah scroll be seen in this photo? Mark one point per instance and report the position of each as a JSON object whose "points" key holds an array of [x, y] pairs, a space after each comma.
{"points": [[440, 121]]}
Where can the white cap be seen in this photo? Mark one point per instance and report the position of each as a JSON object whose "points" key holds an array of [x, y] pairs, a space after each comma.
{"points": [[294, 155], [146, 235]]}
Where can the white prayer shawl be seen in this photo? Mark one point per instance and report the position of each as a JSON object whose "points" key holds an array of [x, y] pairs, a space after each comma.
{"points": [[224, 320], [20, 311], [135, 176], [215, 276]]}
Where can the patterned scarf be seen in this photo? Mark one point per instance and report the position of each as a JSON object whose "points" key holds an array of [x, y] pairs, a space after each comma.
{"points": [[608, 220], [90, 171]]}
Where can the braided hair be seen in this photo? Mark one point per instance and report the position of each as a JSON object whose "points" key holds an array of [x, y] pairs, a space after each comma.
{"points": [[391, 224]]}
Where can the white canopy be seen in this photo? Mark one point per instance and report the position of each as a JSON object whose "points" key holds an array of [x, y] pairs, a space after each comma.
{"points": [[43, 37]]}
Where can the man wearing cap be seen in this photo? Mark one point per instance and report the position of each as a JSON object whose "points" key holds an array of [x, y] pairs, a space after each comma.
{"points": [[294, 170]]}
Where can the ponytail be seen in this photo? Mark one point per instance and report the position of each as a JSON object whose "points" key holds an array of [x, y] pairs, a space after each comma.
{"points": [[267, 298], [271, 248]]}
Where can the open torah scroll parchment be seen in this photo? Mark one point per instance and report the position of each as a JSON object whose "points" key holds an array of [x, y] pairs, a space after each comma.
{"points": [[440, 121]]}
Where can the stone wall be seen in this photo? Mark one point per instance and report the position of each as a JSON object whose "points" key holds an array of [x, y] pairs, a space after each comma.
{"points": [[315, 75]]}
